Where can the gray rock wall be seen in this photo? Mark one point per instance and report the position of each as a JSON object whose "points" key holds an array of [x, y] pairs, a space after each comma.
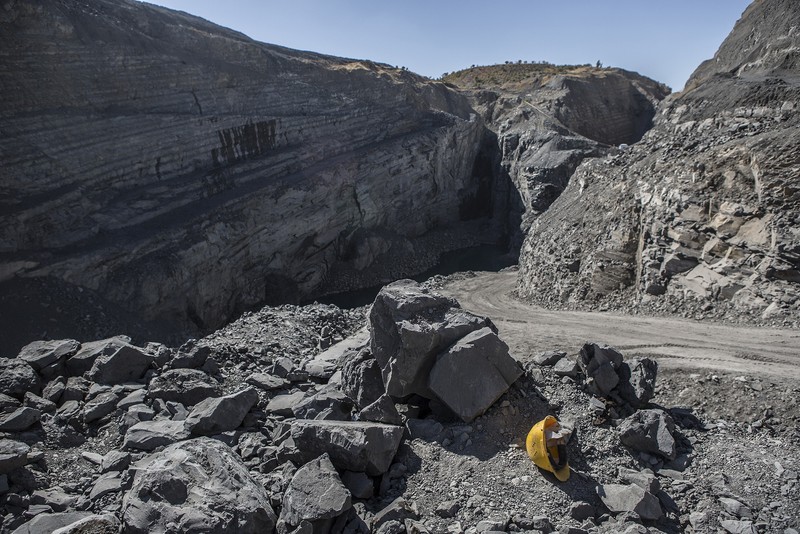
{"points": [[700, 217], [186, 172]]}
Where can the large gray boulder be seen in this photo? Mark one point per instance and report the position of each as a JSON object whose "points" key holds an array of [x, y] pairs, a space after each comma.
{"points": [[149, 435], [84, 359], [17, 377], [315, 494], [126, 364], [630, 498], [409, 326], [13, 454], [20, 419], [351, 445], [100, 406], [649, 431], [49, 523], [41, 354], [637, 381], [198, 485], [600, 363], [221, 414], [327, 403], [186, 386], [473, 373], [362, 380]]}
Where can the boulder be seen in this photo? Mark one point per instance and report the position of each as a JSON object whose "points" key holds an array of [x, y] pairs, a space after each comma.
{"points": [[473, 373], [315, 493], [649, 431], [600, 363], [84, 359], [13, 454], [186, 386], [409, 326], [54, 389], [20, 419], [17, 377], [283, 404], [266, 381], [39, 403], [361, 378], [115, 461], [566, 366], [548, 358], [148, 435], [47, 523], [126, 364], [41, 354], [190, 356], [221, 414], [738, 527], [328, 403], [637, 381], [93, 524], [352, 445], [382, 410], [359, 484], [198, 485], [100, 406], [630, 498]]}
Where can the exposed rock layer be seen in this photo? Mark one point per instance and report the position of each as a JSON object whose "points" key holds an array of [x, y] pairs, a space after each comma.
{"points": [[706, 208], [186, 172], [544, 120]]}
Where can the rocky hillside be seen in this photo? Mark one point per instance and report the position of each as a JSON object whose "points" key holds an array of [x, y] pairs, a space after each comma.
{"points": [[702, 215], [184, 173], [546, 119]]}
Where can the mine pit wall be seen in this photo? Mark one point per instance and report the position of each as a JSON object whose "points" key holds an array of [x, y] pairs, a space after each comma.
{"points": [[188, 173]]}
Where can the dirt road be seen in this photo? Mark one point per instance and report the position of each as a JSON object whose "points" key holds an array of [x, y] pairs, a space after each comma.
{"points": [[675, 343]]}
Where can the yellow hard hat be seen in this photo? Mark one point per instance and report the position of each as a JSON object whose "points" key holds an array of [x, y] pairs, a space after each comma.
{"points": [[553, 459]]}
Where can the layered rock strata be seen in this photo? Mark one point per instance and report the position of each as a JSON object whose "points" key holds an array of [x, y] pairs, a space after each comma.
{"points": [[705, 209], [186, 172], [544, 120]]}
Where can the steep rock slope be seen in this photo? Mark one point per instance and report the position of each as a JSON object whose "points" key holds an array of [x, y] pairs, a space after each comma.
{"points": [[186, 172], [545, 119], [702, 215]]}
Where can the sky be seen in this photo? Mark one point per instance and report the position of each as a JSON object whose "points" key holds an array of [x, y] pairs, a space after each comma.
{"points": [[663, 40]]}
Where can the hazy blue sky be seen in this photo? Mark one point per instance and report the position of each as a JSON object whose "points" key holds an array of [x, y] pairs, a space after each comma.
{"points": [[663, 40]]}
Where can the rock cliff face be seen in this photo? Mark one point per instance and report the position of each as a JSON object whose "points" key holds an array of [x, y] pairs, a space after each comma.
{"points": [[702, 215], [186, 172], [546, 119]]}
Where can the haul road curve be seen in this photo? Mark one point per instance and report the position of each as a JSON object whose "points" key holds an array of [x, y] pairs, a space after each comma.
{"points": [[675, 343]]}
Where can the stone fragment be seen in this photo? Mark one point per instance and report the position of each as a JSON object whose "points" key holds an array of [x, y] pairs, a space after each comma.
{"points": [[549, 358], [54, 389], [736, 508], [17, 377], [38, 403], [133, 398], [48, 523], [105, 484], [40, 354], [361, 378], [315, 493], [84, 359], [186, 386], [447, 509], [398, 510], [581, 511], [355, 446], [75, 389], [327, 403], [630, 498], [283, 404], [410, 325], [93, 524], [126, 364], [637, 381], [382, 410], [198, 485], [190, 356], [738, 527], [644, 479], [221, 414], [649, 431], [115, 460], [266, 381], [566, 366], [358, 484], [56, 498], [149, 435], [100, 406], [473, 373], [20, 419], [425, 429]]}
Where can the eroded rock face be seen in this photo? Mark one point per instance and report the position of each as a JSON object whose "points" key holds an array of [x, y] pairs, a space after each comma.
{"points": [[545, 120], [196, 485], [187, 172], [704, 209]]}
